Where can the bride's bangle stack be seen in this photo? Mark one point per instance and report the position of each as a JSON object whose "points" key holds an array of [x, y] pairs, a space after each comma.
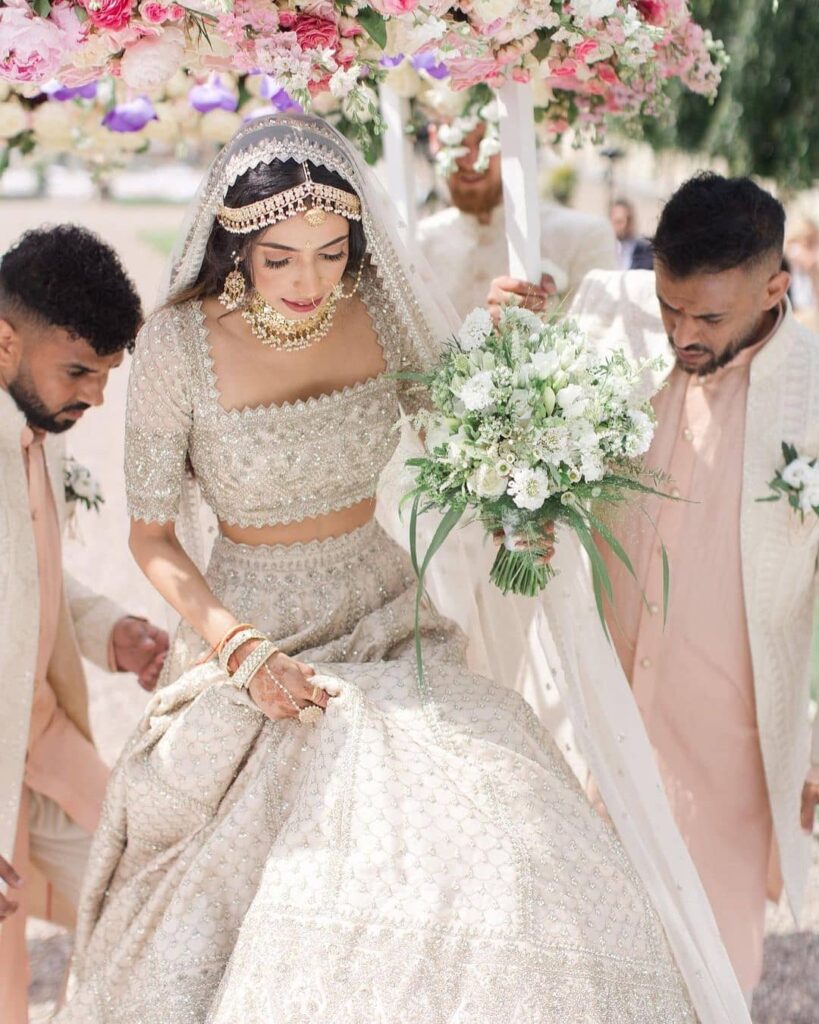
{"points": [[230, 644]]}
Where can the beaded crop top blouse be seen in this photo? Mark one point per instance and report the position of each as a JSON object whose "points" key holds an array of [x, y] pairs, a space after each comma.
{"points": [[267, 464]]}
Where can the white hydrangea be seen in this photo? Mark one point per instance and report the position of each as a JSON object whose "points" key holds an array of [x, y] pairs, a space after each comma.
{"points": [[529, 488], [638, 440], [475, 329]]}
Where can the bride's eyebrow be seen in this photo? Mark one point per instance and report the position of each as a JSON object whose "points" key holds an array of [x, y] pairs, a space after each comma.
{"points": [[290, 248]]}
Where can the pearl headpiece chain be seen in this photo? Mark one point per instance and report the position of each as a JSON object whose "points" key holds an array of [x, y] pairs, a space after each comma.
{"points": [[324, 199]]}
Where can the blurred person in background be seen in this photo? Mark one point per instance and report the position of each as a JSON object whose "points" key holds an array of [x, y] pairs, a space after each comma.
{"points": [[466, 242], [802, 254], [633, 251]]}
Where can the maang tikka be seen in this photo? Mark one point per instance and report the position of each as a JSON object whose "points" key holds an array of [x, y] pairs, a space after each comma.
{"points": [[233, 292]]}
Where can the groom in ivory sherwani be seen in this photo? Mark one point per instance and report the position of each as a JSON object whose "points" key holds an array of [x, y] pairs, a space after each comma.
{"points": [[723, 688]]}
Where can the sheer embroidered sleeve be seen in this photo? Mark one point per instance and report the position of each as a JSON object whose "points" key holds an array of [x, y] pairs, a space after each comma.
{"points": [[158, 418]]}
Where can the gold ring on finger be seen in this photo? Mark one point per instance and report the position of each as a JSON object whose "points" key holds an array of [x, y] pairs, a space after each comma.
{"points": [[314, 695]]}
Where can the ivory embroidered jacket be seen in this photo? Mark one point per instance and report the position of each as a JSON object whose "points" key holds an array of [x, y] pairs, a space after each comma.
{"points": [[779, 553]]}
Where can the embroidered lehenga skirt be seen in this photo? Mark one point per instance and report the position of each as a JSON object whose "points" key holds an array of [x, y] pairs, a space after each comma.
{"points": [[423, 855]]}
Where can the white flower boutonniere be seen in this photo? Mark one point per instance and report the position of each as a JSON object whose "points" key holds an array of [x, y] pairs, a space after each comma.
{"points": [[80, 485], [798, 482]]}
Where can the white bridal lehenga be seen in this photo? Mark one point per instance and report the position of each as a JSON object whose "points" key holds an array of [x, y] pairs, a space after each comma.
{"points": [[423, 854]]}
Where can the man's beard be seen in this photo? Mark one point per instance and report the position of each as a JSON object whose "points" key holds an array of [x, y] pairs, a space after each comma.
{"points": [[717, 362], [475, 199], [35, 412]]}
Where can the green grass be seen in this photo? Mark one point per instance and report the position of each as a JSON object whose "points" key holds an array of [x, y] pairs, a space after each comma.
{"points": [[161, 240]]}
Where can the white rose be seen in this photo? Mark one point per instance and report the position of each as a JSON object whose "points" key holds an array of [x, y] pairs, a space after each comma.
{"points": [[13, 119], [592, 9], [488, 11], [54, 123], [798, 473], [487, 482], [404, 80], [152, 62], [573, 400], [219, 125]]}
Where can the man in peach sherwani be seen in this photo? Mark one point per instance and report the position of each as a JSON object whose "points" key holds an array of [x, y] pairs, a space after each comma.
{"points": [[723, 688], [67, 313]]}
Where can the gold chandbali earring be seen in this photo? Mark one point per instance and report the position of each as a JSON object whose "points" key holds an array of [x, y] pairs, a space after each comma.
{"points": [[233, 292]]}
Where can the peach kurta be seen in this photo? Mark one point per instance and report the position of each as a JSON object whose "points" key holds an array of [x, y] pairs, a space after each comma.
{"points": [[693, 680], [61, 763]]}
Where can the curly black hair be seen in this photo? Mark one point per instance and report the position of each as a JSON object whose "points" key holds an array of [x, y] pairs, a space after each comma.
{"points": [[712, 224], [66, 276]]}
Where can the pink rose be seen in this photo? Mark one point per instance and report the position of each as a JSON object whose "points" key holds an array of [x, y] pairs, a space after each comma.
{"points": [[606, 73], [110, 14], [585, 50], [312, 33], [154, 13], [654, 11], [33, 48], [149, 63], [563, 69], [394, 7]]}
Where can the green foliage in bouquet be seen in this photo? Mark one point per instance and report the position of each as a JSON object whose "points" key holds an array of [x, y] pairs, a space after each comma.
{"points": [[529, 427]]}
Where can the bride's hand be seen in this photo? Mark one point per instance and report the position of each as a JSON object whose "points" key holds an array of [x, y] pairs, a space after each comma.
{"points": [[278, 677], [521, 544]]}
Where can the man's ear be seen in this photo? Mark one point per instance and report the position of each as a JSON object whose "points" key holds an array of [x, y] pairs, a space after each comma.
{"points": [[11, 350], [777, 288]]}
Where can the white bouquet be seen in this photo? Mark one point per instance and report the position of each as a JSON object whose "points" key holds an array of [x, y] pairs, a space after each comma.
{"points": [[531, 426]]}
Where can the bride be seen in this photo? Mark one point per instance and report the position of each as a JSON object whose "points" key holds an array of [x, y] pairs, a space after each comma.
{"points": [[300, 831]]}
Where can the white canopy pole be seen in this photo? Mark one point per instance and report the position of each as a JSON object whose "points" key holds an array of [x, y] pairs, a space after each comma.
{"points": [[519, 171], [398, 156]]}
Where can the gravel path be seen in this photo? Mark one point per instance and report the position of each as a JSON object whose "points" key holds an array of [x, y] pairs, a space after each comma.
{"points": [[789, 993]]}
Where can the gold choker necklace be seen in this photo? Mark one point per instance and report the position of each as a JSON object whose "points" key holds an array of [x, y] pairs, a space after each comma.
{"points": [[275, 330]]}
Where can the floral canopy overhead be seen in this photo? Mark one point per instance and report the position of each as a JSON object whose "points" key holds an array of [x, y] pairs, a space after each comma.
{"points": [[91, 76]]}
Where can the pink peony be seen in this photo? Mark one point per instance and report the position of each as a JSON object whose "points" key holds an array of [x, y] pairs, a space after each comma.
{"points": [[469, 71], [394, 8], [312, 33], [33, 48], [110, 14], [149, 63]]}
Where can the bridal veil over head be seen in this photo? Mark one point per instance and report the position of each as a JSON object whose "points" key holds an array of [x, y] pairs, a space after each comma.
{"points": [[556, 641]]}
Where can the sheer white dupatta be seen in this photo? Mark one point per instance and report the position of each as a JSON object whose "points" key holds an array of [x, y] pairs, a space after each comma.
{"points": [[555, 642]]}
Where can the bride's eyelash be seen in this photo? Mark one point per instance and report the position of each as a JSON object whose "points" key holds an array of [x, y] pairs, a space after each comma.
{"points": [[278, 264]]}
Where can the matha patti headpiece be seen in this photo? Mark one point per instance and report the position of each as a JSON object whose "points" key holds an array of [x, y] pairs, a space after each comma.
{"points": [[324, 199]]}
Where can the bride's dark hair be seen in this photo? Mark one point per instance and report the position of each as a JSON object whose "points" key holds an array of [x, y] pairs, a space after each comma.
{"points": [[259, 183]]}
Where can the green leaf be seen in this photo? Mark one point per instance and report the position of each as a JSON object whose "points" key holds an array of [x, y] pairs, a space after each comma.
{"points": [[612, 542], [789, 452], [374, 25], [42, 7]]}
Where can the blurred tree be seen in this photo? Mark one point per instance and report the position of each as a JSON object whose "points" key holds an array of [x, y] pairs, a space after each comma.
{"points": [[766, 118]]}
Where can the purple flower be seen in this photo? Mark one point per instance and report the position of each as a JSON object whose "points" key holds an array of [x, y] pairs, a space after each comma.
{"points": [[280, 99], [391, 62], [57, 91], [427, 62], [130, 117], [212, 95]]}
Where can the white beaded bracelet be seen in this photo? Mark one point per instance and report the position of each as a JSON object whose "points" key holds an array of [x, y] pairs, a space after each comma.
{"points": [[236, 641]]}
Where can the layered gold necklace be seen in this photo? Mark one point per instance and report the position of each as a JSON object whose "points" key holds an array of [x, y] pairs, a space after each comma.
{"points": [[275, 330]]}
